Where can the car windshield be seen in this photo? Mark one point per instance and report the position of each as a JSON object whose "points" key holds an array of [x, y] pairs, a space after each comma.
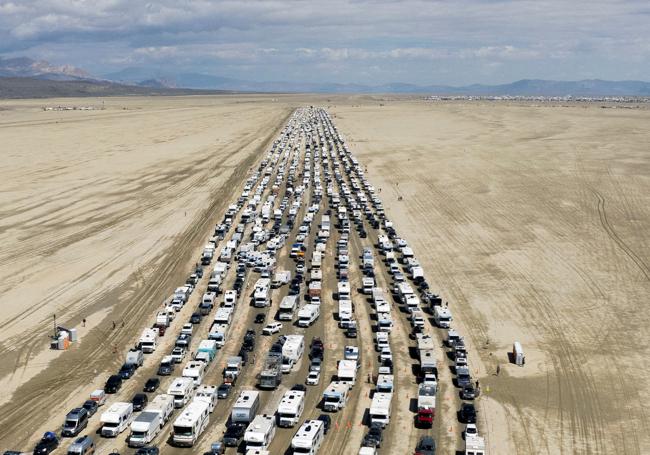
{"points": [[70, 423], [182, 431]]}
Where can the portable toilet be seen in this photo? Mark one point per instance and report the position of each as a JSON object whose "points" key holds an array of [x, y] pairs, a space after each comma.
{"points": [[518, 354]]}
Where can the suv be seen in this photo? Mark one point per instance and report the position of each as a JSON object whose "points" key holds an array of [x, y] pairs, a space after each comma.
{"points": [[327, 421], [467, 413], [113, 384], [139, 401], [426, 446], [127, 370], [234, 434], [374, 436], [47, 444]]}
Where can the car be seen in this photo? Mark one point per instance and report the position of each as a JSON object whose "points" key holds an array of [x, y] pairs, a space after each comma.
{"points": [[351, 332], [127, 370], [90, 406], [315, 364], [313, 378], [139, 401], [300, 267], [249, 340], [147, 451], [223, 391], [271, 328], [178, 353], [260, 318], [216, 448], [113, 384], [470, 428], [234, 434], [199, 271], [299, 388], [327, 421], [243, 353], [374, 436], [426, 446], [151, 385], [47, 444], [187, 329], [468, 392], [184, 339], [351, 353], [467, 413], [363, 234], [196, 318]]}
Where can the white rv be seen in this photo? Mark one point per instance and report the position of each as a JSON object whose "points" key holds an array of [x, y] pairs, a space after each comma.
{"points": [[261, 295], [191, 423], [245, 407], [162, 404], [196, 370], [223, 316], [288, 307], [292, 351], [347, 371], [148, 341], [181, 389], [116, 419], [308, 315], [208, 394], [335, 396], [343, 288], [260, 432], [144, 428], [380, 408], [309, 437], [442, 316], [384, 322], [290, 408]]}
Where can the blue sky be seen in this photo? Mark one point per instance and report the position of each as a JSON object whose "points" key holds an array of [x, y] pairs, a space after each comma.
{"points": [[370, 42]]}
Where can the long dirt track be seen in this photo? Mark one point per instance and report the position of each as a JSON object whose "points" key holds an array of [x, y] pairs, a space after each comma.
{"points": [[531, 221]]}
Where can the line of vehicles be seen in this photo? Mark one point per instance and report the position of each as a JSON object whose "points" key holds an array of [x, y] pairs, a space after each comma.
{"points": [[191, 401]]}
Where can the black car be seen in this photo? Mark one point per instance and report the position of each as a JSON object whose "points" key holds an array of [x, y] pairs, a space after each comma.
{"points": [[426, 446], [90, 406], [195, 318], [374, 436], [363, 234], [47, 444], [127, 370], [327, 422], [113, 384], [468, 392], [151, 385], [147, 451], [234, 434], [223, 391], [467, 413], [140, 401], [299, 388], [199, 271], [166, 368], [351, 332], [260, 318]]}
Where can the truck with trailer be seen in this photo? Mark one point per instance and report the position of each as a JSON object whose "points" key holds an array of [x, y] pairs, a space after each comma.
{"points": [[246, 406], [260, 433], [426, 404], [380, 408], [190, 424]]}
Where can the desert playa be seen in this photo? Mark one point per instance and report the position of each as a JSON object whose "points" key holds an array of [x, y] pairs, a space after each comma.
{"points": [[530, 221], [533, 223]]}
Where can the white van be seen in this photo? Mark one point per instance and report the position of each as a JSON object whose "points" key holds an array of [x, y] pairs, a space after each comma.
{"points": [[116, 419]]}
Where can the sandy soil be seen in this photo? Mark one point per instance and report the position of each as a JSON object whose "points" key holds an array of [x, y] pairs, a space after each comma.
{"points": [[101, 214], [532, 222]]}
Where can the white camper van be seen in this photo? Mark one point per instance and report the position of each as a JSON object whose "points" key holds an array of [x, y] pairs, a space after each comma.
{"points": [[260, 432], [181, 389], [309, 437], [116, 419], [290, 408]]}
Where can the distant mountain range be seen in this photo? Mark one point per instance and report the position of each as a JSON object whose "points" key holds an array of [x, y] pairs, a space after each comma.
{"points": [[23, 67]]}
